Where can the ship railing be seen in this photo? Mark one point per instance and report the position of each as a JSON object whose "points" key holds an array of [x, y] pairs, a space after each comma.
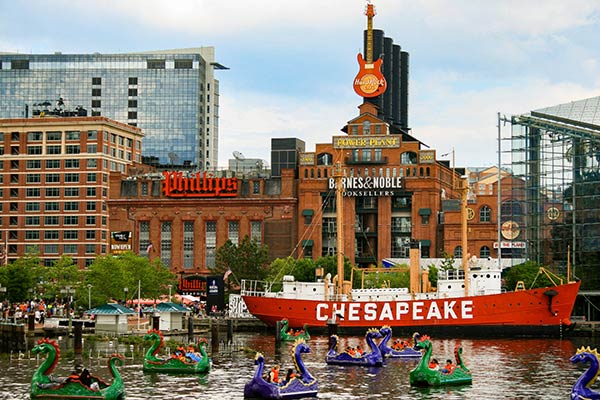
{"points": [[452, 274], [255, 288]]}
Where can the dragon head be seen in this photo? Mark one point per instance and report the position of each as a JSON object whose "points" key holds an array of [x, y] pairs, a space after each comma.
{"points": [[47, 345]]}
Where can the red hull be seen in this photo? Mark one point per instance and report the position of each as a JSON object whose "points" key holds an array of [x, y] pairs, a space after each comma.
{"points": [[544, 308]]}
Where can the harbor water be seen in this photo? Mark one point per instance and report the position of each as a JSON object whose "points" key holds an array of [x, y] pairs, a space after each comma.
{"points": [[502, 369]]}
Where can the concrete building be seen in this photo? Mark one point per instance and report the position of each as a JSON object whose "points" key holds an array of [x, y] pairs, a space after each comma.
{"points": [[172, 95]]}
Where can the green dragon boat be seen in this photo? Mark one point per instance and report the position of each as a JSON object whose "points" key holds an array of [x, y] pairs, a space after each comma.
{"points": [[288, 335], [422, 375], [45, 386], [189, 363]]}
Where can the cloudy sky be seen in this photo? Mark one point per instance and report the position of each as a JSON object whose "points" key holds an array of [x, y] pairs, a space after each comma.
{"points": [[292, 63]]}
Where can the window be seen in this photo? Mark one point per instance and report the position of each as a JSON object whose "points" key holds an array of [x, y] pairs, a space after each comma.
{"points": [[132, 103], [132, 115], [53, 136], [51, 220], [144, 238], [73, 149], [32, 164], [71, 177], [50, 235], [32, 206], [70, 163], [144, 188], [34, 150], [52, 164], [92, 163], [484, 252], [51, 206], [53, 149], [91, 192], [183, 64], [256, 187], [70, 248], [188, 244], [32, 235], [96, 92], [31, 192], [133, 81], [51, 248], [71, 206], [408, 157], [211, 243], [70, 234], [19, 64], [165, 243], [90, 206], [233, 234], [256, 231], [96, 103], [96, 81], [34, 178], [156, 64], [73, 135], [71, 192], [366, 127], [91, 177], [90, 249], [90, 235], [132, 92], [90, 220], [32, 220], [485, 214], [92, 148], [71, 220], [458, 252], [52, 192], [52, 178], [92, 135]]}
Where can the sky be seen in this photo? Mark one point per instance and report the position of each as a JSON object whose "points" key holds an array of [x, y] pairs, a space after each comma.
{"points": [[292, 63]]}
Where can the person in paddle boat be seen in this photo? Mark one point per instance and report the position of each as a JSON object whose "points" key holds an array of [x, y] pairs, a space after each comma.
{"points": [[434, 364], [299, 332], [399, 345], [448, 368], [289, 376], [274, 374], [359, 351]]}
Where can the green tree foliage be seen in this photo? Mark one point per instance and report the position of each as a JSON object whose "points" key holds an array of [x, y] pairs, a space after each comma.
{"points": [[433, 275], [529, 273], [303, 269], [247, 260], [329, 264], [62, 274], [20, 278], [109, 276], [387, 279]]}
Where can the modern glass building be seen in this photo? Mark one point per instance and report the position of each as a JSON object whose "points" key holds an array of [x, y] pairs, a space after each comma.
{"points": [[171, 95], [555, 152]]}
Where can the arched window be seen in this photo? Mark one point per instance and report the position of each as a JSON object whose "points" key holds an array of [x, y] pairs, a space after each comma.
{"points": [[484, 252], [458, 252], [408, 157], [306, 172], [485, 214]]}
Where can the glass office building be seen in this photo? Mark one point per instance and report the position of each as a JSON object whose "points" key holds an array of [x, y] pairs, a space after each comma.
{"points": [[555, 152], [171, 95]]}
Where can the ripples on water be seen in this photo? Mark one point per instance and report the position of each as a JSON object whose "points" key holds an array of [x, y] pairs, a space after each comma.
{"points": [[502, 369]]}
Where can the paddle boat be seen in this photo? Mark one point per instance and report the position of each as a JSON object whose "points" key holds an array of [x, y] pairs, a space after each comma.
{"points": [[372, 358], [581, 389], [286, 334], [422, 375], [409, 351], [302, 384], [85, 386], [187, 363]]}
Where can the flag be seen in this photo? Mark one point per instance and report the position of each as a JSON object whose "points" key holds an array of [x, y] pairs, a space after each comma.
{"points": [[4, 252], [149, 248], [227, 273]]}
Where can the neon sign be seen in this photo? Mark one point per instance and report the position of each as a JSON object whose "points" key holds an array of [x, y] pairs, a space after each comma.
{"points": [[176, 184]]}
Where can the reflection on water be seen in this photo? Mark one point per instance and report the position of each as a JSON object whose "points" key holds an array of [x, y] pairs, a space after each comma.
{"points": [[502, 369]]}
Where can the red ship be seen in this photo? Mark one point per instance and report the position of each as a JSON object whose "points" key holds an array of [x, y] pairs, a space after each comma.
{"points": [[469, 301]]}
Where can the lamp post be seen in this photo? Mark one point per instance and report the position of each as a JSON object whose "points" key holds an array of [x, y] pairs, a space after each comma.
{"points": [[170, 286], [125, 290], [89, 286]]}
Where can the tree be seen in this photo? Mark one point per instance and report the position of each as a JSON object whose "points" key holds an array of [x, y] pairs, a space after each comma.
{"points": [[62, 274], [529, 273], [20, 278], [247, 260], [110, 275]]}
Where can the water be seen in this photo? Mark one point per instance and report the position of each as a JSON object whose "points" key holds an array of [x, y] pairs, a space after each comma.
{"points": [[502, 369]]}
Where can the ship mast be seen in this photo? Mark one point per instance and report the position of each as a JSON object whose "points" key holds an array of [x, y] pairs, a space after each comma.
{"points": [[340, 227], [464, 188]]}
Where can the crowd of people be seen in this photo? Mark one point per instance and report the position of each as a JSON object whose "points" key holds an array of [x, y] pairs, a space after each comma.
{"points": [[40, 309]]}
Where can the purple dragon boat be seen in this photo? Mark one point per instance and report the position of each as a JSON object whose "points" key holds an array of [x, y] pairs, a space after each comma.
{"points": [[581, 389], [303, 384], [368, 359], [408, 352]]}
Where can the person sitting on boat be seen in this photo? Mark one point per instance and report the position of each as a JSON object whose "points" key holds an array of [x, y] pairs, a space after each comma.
{"points": [[351, 351], [359, 352], [434, 364], [291, 332], [289, 376], [399, 345], [274, 374], [449, 367]]}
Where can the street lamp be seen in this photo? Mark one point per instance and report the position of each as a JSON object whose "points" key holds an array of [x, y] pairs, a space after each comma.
{"points": [[170, 286], [89, 296], [125, 290], [3, 290]]}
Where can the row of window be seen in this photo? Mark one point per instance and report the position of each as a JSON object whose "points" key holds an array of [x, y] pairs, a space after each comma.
{"points": [[66, 234], [54, 220], [55, 192], [34, 206], [73, 177]]}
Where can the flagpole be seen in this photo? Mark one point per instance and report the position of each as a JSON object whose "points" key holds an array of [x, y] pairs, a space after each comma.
{"points": [[139, 302]]}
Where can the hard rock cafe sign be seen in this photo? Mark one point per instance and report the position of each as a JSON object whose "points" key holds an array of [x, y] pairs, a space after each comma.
{"points": [[180, 184]]}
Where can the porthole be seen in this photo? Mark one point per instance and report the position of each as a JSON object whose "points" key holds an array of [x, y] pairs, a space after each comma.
{"points": [[488, 276]]}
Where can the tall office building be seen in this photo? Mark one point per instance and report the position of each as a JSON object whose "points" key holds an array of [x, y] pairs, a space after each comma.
{"points": [[172, 95]]}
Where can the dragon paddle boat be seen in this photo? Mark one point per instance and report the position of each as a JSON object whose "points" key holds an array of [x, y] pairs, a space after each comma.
{"points": [[407, 351], [45, 386], [189, 363], [581, 389], [372, 358], [303, 384], [422, 375], [286, 334]]}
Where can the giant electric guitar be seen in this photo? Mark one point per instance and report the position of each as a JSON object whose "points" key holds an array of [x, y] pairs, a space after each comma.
{"points": [[369, 81]]}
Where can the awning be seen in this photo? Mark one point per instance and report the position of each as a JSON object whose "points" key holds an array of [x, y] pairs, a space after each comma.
{"points": [[307, 213], [307, 243], [426, 242], [424, 211]]}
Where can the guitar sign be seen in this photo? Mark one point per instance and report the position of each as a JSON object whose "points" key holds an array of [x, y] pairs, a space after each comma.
{"points": [[369, 81]]}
